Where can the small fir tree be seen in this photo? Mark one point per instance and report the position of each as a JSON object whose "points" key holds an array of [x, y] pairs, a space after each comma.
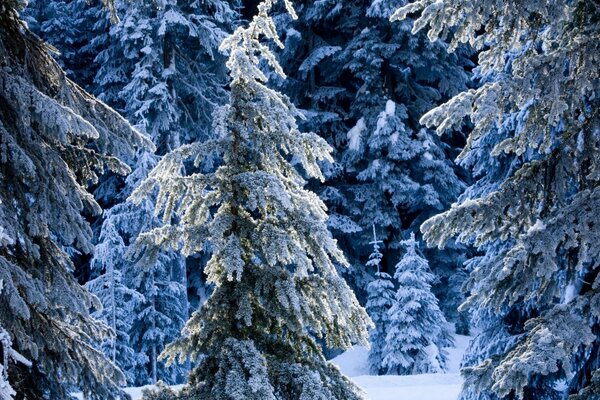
{"points": [[380, 300], [161, 67], [277, 290], [417, 332], [118, 300]]}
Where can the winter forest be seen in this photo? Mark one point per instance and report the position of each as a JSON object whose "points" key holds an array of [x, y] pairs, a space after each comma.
{"points": [[299, 199]]}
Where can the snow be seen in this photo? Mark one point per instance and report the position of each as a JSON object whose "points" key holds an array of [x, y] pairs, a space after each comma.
{"points": [[354, 135], [569, 293], [411, 387], [353, 363], [390, 108], [135, 392], [537, 227], [17, 357], [442, 386], [5, 240]]}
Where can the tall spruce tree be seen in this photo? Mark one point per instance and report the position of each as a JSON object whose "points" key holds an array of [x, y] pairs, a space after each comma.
{"points": [[538, 222], [380, 299], [54, 141], [276, 285], [417, 331]]}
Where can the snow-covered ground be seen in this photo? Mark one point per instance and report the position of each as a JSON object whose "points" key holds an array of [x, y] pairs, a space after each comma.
{"points": [[353, 363], [447, 386]]}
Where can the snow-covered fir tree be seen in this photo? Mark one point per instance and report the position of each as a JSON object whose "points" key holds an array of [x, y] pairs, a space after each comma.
{"points": [[77, 29], [54, 141], [177, 78], [380, 299], [276, 286], [347, 65], [145, 302], [119, 302], [162, 67], [417, 330], [537, 218]]}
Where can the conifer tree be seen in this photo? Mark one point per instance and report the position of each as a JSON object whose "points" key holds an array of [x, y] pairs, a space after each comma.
{"points": [[77, 29], [536, 219], [417, 332], [147, 302], [276, 286], [54, 141], [119, 302], [177, 79], [380, 299], [363, 84]]}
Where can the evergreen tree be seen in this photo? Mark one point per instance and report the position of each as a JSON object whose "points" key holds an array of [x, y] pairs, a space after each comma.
{"points": [[536, 220], [119, 301], [348, 65], [162, 67], [417, 332], [75, 28], [147, 302], [380, 300], [177, 79], [54, 141], [276, 286]]}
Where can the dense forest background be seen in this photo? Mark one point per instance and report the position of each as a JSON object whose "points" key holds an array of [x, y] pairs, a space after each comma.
{"points": [[160, 67], [471, 129]]}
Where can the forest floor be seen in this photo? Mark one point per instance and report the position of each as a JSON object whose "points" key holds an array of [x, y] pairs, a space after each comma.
{"points": [[353, 363], [446, 386]]}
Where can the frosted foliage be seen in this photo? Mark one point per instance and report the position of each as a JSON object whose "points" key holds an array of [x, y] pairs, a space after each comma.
{"points": [[346, 63], [534, 207], [397, 168], [74, 28], [417, 331], [161, 66], [276, 286], [380, 299], [54, 140], [144, 303], [6, 391]]}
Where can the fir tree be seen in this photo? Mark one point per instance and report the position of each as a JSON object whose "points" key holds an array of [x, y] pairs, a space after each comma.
{"points": [[119, 301], [417, 332], [276, 286], [380, 299], [54, 141], [147, 302], [537, 218], [76, 29], [363, 83], [162, 68], [177, 79]]}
